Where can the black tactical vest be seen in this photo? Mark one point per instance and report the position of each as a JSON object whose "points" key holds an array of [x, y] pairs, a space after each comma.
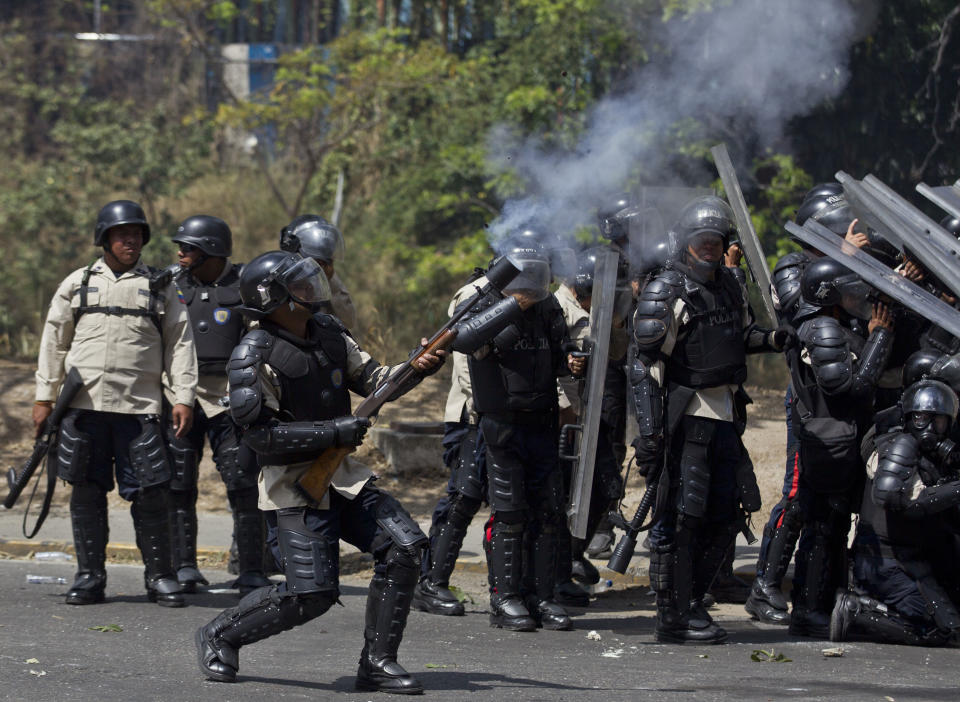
{"points": [[712, 352], [217, 326], [523, 377], [312, 372]]}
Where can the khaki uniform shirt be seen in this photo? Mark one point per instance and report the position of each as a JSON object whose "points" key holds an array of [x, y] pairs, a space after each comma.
{"points": [[342, 303], [460, 397], [277, 484], [120, 357]]}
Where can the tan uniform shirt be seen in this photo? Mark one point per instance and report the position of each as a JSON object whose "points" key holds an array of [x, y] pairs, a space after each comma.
{"points": [[342, 303], [277, 484], [460, 396], [120, 357], [712, 403]]}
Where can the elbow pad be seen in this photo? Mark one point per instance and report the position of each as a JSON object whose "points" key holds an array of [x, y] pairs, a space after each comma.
{"points": [[291, 439], [483, 327], [876, 353]]}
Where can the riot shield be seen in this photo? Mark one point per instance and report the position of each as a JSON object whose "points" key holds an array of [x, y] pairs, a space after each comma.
{"points": [[756, 261], [878, 275], [905, 226], [946, 197], [598, 345]]}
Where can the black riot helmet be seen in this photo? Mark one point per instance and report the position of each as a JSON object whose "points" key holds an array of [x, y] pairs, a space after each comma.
{"points": [[533, 260], [703, 216], [826, 203], [118, 212], [952, 224], [209, 234], [918, 366], [929, 410], [276, 277], [826, 283], [610, 218], [314, 237], [582, 282]]}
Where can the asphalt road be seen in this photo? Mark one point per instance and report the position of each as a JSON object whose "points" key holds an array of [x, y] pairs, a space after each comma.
{"points": [[49, 651]]}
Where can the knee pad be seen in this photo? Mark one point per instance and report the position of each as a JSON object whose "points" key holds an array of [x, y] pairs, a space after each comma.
{"points": [[399, 527], [186, 470], [151, 500], [462, 509], [512, 518], [73, 450], [148, 453], [401, 565], [311, 562]]}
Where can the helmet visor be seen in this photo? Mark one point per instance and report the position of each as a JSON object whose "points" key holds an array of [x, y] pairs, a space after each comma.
{"points": [[306, 282], [855, 297], [534, 278], [321, 241], [921, 420]]}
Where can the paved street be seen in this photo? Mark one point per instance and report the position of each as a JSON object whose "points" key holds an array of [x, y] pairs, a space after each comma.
{"points": [[153, 658]]}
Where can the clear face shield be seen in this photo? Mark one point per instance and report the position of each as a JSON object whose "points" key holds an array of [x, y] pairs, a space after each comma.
{"points": [[534, 278], [306, 283], [648, 243], [855, 297], [323, 242]]}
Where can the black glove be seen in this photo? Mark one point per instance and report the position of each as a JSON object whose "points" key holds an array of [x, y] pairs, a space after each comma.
{"points": [[350, 430], [648, 452], [784, 338]]}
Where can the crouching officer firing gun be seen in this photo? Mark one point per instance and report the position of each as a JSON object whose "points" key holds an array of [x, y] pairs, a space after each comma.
{"points": [[45, 445]]}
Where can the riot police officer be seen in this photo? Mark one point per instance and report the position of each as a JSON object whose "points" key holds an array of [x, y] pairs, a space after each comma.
{"points": [[906, 517], [289, 380], [834, 373], [824, 203], [693, 329], [208, 284], [515, 394], [314, 237], [122, 330], [575, 298], [466, 488]]}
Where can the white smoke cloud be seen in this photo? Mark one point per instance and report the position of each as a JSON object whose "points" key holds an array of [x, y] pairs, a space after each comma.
{"points": [[748, 66]]}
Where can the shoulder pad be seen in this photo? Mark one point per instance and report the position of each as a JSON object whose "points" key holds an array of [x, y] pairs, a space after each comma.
{"points": [[331, 322], [666, 285], [824, 332], [896, 466], [242, 375], [160, 279], [794, 259]]}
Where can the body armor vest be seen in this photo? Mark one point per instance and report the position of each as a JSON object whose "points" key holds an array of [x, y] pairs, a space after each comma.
{"points": [[713, 352], [217, 326], [524, 376], [312, 374]]}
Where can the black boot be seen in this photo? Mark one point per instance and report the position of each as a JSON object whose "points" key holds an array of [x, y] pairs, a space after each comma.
{"points": [[436, 599], [864, 618], [764, 603], [388, 605], [433, 592], [259, 614], [542, 552], [88, 517], [249, 539], [152, 527], [813, 601], [183, 529], [504, 565], [672, 580], [582, 569], [566, 592]]}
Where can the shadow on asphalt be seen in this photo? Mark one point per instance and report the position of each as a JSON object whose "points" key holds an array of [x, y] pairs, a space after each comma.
{"points": [[475, 682]]}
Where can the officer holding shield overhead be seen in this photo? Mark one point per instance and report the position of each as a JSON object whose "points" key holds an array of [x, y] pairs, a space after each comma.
{"points": [[122, 331]]}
